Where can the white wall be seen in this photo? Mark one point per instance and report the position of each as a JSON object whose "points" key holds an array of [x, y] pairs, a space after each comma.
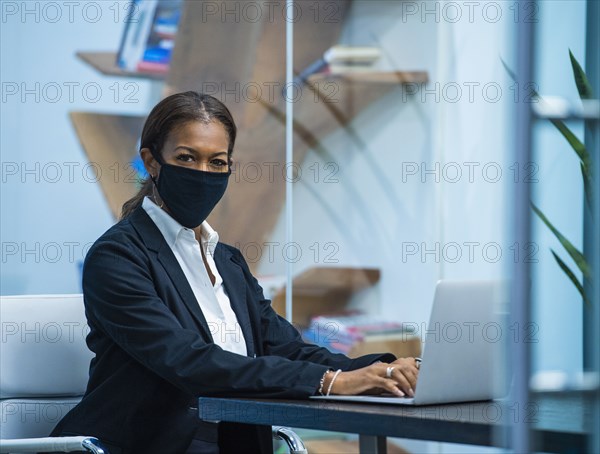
{"points": [[49, 213]]}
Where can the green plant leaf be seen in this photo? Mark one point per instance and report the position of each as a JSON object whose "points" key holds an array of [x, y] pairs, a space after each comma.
{"points": [[575, 143], [585, 92], [511, 74], [563, 266], [581, 152], [573, 252], [583, 85], [587, 185]]}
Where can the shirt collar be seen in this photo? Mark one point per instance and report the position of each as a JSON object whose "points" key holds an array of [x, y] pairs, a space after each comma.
{"points": [[209, 237], [171, 229]]}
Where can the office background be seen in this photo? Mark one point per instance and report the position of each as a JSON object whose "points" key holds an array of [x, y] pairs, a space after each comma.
{"points": [[376, 210]]}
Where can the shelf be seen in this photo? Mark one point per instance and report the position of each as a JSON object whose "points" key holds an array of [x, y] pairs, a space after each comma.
{"points": [[105, 63], [109, 142], [324, 290], [374, 77], [323, 281]]}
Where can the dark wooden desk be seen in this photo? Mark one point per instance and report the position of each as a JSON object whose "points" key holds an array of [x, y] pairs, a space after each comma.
{"points": [[559, 424]]}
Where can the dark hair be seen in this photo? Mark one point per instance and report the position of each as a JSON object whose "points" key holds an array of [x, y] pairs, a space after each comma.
{"points": [[173, 112]]}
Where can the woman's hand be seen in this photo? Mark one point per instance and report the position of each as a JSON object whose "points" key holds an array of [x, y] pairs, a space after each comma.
{"points": [[373, 379], [406, 371]]}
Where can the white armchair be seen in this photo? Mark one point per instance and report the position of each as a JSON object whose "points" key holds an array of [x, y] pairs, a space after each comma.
{"points": [[44, 367], [44, 364]]}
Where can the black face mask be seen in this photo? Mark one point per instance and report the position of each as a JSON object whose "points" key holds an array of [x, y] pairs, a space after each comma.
{"points": [[190, 194]]}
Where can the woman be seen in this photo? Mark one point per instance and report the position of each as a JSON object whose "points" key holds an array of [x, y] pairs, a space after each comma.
{"points": [[174, 314]]}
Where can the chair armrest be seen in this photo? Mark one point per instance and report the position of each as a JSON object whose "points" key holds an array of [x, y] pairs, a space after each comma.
{"points": [[52, 444], [292, 439]]}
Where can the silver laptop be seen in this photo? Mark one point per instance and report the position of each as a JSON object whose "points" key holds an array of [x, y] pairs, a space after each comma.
{"points": [[463, 347]]}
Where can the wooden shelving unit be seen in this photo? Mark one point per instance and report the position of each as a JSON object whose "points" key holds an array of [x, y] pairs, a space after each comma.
{"points": [[324, 290], [372, 77], [221, 58], [105, 63], [110, 142]]}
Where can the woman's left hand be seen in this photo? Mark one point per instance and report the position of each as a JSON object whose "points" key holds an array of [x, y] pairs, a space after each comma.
{"points": [[406, 370]]}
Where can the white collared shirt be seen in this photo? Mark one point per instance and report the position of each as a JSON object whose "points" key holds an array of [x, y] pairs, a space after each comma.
{"points": [[213, 299]]}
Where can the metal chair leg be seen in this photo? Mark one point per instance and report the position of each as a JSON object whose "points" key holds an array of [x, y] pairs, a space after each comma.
{"points": [[291, 438]]}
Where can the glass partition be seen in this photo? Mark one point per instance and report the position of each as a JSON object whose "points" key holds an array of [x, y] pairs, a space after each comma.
{"points": [[406, 176], [564, 299]]}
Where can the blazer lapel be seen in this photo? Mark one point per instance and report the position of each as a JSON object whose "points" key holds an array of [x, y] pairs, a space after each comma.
{"points": [[156, 242], [235, 286]]}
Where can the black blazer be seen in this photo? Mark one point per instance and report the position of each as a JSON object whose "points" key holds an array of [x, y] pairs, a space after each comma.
{"points": [[154, 354]]}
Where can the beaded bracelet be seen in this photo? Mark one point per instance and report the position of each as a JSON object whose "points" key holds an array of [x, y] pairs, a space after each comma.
{"points": [[337, 372], [322, 382]]}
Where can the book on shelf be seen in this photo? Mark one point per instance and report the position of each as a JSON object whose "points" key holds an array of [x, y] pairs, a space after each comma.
{"points": [[352, 55], [149, 36], [341, 333], [135, 36], [339, 60], [347, 59], [340, 69]]}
